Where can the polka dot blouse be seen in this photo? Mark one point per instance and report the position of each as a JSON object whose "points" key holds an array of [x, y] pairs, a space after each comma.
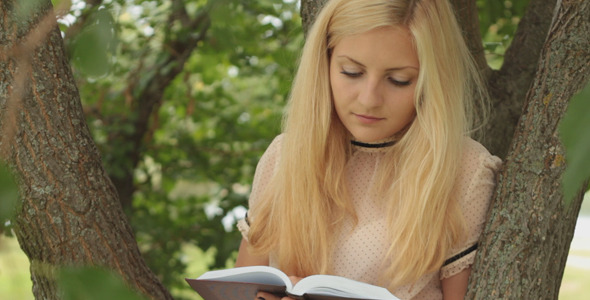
{"points": [[361, 249]]}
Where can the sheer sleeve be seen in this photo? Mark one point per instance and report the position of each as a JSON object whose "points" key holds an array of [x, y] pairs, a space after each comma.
{"points": [[264, 172], [474, 188]]}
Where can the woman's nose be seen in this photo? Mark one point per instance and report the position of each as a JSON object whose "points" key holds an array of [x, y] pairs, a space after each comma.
{"points": [[370, 94]]}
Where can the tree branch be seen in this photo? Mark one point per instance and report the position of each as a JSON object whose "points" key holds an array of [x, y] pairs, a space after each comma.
{"points": [[146, 101], [509, 85], [523, 54], [468, 18]]}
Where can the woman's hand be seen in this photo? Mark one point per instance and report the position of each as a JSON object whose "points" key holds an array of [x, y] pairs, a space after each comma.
{"points": [[269, 296], [295, 279], [455, 287]]}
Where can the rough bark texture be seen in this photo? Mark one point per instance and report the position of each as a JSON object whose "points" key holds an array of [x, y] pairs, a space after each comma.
{"points": [[309, 10], [526, 241], [70, 213]]}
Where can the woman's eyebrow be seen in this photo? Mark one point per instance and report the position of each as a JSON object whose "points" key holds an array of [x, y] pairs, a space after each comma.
{"points": [[387, 70], [352, 60]]}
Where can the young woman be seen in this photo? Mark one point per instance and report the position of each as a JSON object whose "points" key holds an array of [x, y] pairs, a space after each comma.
{"points": [[375, 177]]}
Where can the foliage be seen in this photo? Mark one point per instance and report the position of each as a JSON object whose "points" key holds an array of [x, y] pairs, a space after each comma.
{"points": [[498, 21], [8, 196], [90, 283], [575, 133], [93, 46]]}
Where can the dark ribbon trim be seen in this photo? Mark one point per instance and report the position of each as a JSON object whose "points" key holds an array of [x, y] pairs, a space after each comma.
{"points": [[366, 145], [460, 255]]}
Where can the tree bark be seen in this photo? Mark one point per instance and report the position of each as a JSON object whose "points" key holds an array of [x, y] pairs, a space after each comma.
{"points": [[466, 13], [69, 212], [309, 10], [526, 241]]}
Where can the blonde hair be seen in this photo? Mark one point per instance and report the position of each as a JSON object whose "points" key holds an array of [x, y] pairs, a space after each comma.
{"points": [[307, 196]]}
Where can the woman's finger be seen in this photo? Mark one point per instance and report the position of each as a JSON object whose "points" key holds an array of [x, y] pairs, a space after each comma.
{"points": [[267, 296], [295, 279]]}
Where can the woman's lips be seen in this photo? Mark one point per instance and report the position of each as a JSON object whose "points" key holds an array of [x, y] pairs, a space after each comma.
{"points": [[367, 119]]}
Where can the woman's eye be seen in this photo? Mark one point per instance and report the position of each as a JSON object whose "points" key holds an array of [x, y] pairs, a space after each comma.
{"points": [[351, 74], [399, 82]]}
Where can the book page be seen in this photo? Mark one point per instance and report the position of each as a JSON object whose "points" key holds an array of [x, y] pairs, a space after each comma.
{"points": [[252, 274], [328, 285], [226, 290]]}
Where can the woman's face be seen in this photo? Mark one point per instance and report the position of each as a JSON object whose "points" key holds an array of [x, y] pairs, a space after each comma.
{"points": [[373, 77]]}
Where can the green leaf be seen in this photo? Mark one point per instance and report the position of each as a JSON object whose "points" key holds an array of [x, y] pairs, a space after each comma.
{"points": [[574, 131], [90, 283], [8, 194], [93, 46], [27, 8], [62, 4]]}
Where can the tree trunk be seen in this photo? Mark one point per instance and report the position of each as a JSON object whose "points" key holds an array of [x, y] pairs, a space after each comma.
{"points": [[526, 241], [309, 10], [69, 213]]}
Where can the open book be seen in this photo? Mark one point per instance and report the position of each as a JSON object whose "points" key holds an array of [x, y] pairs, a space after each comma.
{"points": [[243, 284]]}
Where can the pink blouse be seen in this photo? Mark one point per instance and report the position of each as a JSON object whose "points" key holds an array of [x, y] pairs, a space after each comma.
{"points": [[361, 249]]}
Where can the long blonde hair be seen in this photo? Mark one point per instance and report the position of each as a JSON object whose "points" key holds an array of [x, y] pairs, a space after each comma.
{"points": [[307, 197]]}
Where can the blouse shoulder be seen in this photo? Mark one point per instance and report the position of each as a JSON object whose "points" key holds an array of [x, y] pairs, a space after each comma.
{"points": [[267, 164], [265, 169], [473, 189], [270, 157], [477, 165]]}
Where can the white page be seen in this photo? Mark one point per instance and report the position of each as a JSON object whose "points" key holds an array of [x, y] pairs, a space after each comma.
{"points": [[341, 286], [253, 274]]}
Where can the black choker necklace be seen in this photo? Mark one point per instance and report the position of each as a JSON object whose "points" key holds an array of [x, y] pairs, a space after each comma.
{"points": [[367, 145]]}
